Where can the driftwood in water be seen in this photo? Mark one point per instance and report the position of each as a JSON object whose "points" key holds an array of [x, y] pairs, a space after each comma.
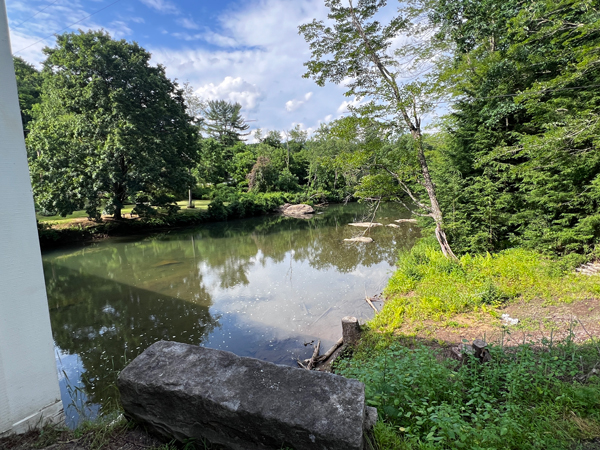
{"points": [[371, 304], [313, 359], [328, 353], [406, 220], [359, 239], [365, 224]]}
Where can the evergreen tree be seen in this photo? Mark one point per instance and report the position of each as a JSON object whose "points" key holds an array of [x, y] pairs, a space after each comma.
{"points": [[224, 122]]}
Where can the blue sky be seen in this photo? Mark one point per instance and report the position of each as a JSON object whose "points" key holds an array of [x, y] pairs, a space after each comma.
{"points": [[245, 51]]}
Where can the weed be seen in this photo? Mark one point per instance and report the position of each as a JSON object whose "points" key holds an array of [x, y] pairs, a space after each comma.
{"points": [[525, 398]]}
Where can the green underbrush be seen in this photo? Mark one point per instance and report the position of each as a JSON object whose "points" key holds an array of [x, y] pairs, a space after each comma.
{"points": [[543, 397], [427, 285]]}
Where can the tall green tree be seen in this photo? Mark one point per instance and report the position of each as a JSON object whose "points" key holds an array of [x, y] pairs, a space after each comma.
{"points": [[224, 122], [110, 129], [29, 84], [355, 48], [522, 157]]}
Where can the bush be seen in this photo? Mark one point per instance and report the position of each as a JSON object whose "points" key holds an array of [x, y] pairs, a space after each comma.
{"points": [[525, 398]]}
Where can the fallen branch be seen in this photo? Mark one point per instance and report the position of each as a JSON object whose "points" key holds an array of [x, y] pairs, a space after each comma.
{"points": [[371, 304], [319, 318], [331, 351], [315, 355]]}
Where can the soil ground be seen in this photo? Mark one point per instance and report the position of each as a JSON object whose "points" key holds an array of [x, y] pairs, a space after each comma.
{"points": [[51, 438], [537, 320]]}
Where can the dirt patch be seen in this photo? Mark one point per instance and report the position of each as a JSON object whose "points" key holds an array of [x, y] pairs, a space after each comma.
{"points": [[536, 321], [53, 438]]}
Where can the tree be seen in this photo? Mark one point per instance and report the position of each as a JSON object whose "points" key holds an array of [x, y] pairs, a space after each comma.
{"points": [[355, 50], [523, 137], [224, 122], [29, 84], [110, 129]]}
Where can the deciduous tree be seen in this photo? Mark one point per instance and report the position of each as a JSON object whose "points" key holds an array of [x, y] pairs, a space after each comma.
{"points": [[110, 128]]}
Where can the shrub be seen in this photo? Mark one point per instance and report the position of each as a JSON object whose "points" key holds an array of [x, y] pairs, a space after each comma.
{"points": [[523, 399]]}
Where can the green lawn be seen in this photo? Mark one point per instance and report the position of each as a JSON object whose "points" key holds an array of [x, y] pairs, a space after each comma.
{"points": [[200, 205]]}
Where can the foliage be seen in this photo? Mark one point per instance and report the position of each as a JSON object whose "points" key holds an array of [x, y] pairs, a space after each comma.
{"points": [[110, 128], [521, 158], [525, 398], [29, 84], [263, 175], [426, 284], [224, 122]]}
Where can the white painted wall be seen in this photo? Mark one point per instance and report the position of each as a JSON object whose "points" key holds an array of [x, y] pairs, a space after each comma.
{"points": [[29, 392]]}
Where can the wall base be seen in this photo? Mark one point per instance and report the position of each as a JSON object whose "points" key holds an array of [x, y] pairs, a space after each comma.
{"points": [[50, 414]]}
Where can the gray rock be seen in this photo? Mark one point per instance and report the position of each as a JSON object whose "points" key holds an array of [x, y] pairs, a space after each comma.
{"points": [[183, 391], [302, 211]]}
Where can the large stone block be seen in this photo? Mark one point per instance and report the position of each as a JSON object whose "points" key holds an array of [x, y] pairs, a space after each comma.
{"points": [[184, 391]]}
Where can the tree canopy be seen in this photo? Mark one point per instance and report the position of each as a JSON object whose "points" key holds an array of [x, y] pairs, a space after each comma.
{"points": [[110, 129], [29, 84], [224, 122]]}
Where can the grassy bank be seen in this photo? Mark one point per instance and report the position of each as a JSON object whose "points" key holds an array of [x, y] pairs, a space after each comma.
{"points": [[534, 394], [227, 207], [78, 216], [426, 285]]}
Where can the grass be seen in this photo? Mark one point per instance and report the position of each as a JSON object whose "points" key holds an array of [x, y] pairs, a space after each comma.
{"points": [[527, 397], [200, 205], [427, 285]]}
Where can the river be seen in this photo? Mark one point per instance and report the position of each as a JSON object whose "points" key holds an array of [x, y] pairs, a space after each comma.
{"points": [[259, 287]]}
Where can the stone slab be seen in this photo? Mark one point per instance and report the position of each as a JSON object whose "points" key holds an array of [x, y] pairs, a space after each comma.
{"points": [[183, 391]]}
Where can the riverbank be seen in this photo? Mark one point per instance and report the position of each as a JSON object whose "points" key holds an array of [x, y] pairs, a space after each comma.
{"points": [[108, 433], [56, 232], [540, 388]]}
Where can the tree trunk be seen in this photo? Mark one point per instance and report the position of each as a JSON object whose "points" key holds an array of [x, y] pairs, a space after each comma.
{"points": [[190, 205], [436, 211], [117, 213]]}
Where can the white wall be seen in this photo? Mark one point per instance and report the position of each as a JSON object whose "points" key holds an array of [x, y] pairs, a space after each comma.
{"points": [[29, 392]]}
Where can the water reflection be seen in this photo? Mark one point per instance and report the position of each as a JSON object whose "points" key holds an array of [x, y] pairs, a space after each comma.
{"points": [[259, 287]]}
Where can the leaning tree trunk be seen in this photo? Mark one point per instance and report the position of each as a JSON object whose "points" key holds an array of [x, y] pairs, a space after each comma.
{"points": [[436, 211]]}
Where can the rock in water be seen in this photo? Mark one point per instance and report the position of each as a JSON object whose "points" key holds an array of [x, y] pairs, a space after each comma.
{"points": [[184, 391], [301, 211], [359, 239]]}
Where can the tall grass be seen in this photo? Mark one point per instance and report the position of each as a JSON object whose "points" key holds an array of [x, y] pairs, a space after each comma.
{"points": [[428, 285]]}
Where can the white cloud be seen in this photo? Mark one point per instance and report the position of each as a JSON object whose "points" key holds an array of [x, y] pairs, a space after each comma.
{"points": [[232, 90], [343, 108], [163, 6], [218, 39], [188, 23], [294, 104]]}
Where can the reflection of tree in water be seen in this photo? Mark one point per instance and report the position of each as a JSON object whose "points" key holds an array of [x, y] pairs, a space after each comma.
{"points": [[108, 323], [110, 301]]}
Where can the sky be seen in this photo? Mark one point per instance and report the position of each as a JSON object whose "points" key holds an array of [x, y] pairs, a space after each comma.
{"points": [[241, 51]]}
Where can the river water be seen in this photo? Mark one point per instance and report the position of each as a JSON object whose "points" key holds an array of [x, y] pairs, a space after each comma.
{"points": [[258, 287]]}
